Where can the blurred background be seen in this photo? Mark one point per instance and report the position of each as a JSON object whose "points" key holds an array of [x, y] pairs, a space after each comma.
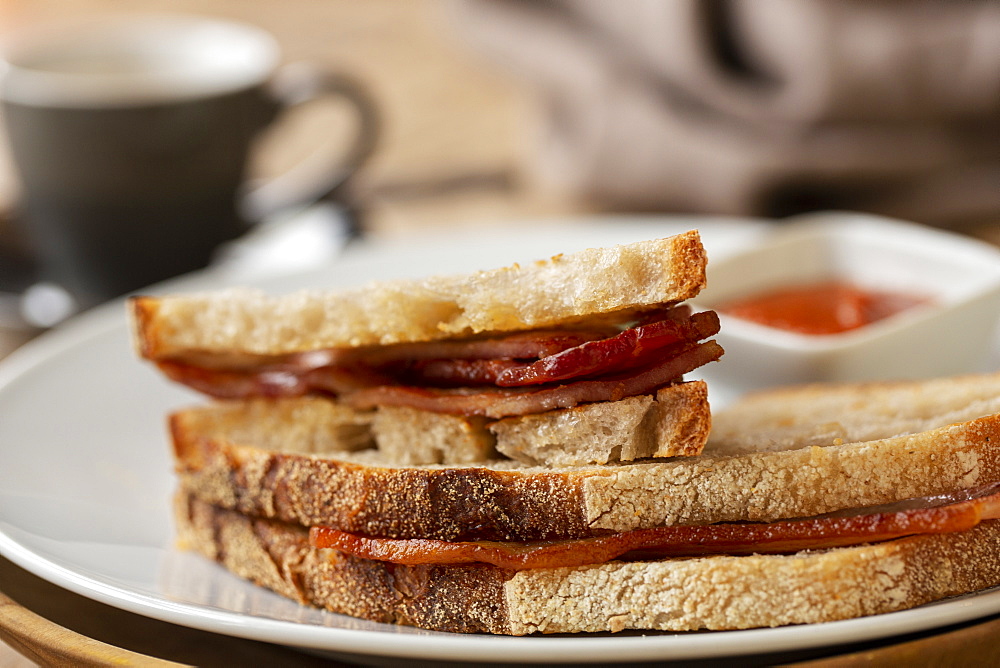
{"points": [[452, 122], [499, 111]]}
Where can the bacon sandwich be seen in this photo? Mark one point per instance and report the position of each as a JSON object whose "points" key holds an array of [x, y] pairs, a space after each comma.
{"points": [[535, 362], [515, 451]]}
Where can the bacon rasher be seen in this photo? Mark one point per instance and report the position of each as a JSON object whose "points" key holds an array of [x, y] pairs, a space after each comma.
{"points": [[623, 351], [522, 345], [632, 348], [516, 374], [504, 402], [960, 512]]}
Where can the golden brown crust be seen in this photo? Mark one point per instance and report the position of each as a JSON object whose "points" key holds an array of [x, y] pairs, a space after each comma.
{"points": [[517, 503], [670, 595], [427, 502], [566, 289], [462, 599], [683, 420], [144, 327]]}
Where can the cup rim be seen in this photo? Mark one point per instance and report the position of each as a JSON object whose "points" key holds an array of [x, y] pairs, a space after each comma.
{"points": [[219, 56]]}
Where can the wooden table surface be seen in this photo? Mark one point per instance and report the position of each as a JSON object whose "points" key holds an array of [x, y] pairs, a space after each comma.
{"points": [[451, 155]]}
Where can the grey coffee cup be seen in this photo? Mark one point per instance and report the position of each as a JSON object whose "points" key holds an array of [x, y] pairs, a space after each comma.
{"points": [[132, 137]]}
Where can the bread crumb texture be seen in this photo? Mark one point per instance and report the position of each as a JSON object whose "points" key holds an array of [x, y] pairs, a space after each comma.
{"points": [[566, 288], [673, 423], [753, 591], [296, 460], [795, 483], [787, 418], [411, 437], [670, 595]]}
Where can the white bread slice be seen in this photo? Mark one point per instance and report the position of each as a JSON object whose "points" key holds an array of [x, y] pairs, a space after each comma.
{"points": [[675, 422], [564, 289], [310, 425], [411, 437], [829, 414], [719, 593], [508, 500]]}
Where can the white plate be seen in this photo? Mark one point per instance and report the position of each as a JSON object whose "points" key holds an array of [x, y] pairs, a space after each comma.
{"points": [[85, 484]]}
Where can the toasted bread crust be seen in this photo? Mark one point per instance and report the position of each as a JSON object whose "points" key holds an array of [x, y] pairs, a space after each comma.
{"points": [[428, 502], [565, 289], [504, 501], [670, 595], [464, 599], [299, 460]]}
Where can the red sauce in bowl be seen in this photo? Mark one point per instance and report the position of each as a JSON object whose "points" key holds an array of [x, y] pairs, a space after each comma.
{"points": [[830, 307]]}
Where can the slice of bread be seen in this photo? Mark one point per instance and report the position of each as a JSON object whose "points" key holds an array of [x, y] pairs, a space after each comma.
{"points": [[676, 422], [565, 289], [828, 414], [305, 458], [412, 437], [717, 593], [262, 469]]}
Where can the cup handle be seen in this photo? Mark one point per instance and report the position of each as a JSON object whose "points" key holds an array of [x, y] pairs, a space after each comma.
{"points": [[304, 184]]}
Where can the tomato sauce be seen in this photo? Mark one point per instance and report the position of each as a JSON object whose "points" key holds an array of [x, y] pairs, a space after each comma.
{"points": [[830, 307]]}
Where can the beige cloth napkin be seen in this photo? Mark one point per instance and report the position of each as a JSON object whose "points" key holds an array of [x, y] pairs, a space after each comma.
{"points": [[760, 106]]}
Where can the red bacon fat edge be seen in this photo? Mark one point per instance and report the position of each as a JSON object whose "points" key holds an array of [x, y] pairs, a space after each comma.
{"points": [[517, 374], [623, 351], [960, 512]]}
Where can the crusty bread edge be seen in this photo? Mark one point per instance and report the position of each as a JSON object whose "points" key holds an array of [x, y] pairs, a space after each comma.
{"points": [[277, 556], [144, 327], [767, 486], [529, 504], [670, 595], [730, 592], [660, 271]]}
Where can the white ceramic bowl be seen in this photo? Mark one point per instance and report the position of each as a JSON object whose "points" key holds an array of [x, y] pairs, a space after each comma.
{"points": [[952, 334]]}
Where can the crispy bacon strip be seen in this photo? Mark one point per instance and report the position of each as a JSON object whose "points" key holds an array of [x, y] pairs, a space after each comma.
{"points": [[772, 538], [340, 371], [483, 381], [505, 402], [622, 351], [223, 384], [632, 348], [365, 388]]}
